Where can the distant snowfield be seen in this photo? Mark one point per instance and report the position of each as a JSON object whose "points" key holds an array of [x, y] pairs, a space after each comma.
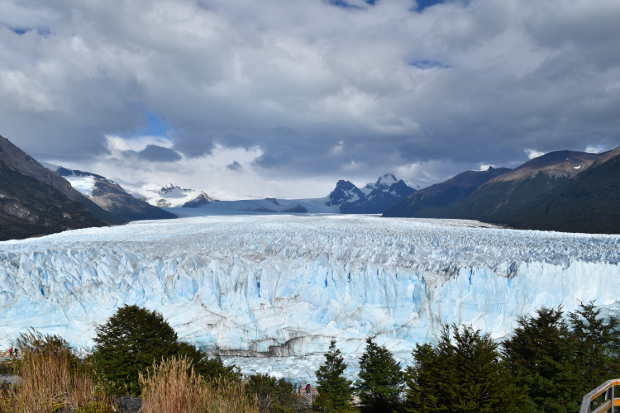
{"points": [[84, 184], [270, 291]]}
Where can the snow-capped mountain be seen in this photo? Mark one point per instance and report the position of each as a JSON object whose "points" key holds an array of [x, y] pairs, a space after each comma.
{"points": [[171, 195], [111, 197], [270, 292], [345, 192], [374, 198], [200, 201]]}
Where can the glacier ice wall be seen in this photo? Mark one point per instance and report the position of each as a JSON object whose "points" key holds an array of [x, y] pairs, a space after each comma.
{"points": [[269, 292]]}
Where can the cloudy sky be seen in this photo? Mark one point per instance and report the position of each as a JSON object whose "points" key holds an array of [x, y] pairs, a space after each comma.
{"points": [[247, 98]]}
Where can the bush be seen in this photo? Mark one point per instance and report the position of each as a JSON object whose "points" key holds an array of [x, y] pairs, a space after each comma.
{"points": [[212, 369], [273, 395]]}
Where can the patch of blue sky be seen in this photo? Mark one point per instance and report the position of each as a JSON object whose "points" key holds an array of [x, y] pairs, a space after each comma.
{"points": [[20, 31], [347, 5], [422, 5], [155, 125], [425, 4], [426, 64]]}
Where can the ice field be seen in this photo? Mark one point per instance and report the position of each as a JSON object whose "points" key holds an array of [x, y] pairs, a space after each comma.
{"points": [[269, 291]]}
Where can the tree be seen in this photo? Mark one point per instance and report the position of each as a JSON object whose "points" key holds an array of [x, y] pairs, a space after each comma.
{"points": [[596, 342], [134, 339], [541, 356], [335, 390], [131, 341], [380, 381], [463, 373]]}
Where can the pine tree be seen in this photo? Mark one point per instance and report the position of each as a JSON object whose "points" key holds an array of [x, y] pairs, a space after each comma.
{"points": [[128, 343], [335, 391], [463, 373], [541, 356], [596, 343], [380, 381]]}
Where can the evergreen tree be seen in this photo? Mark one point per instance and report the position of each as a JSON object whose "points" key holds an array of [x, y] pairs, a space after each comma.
{"points": [[380, 381], [132, 340], [335, 391], [463, 373], [596, 342], [541, 356]]}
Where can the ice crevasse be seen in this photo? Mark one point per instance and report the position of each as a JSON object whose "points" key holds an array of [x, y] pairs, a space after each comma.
{"points": [[268, 293]]}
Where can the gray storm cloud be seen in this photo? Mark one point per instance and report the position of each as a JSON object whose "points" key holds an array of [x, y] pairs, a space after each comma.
{"points": [[457, 85]]}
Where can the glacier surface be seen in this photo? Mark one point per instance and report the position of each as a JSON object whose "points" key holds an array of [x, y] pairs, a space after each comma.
{"points": [[269, 292]]}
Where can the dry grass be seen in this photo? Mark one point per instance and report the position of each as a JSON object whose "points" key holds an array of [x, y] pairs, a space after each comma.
{"points": [[173, 386], [52, 378]]}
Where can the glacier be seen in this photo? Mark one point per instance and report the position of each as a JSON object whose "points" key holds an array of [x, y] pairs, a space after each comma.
{"points": [[268, 292]]}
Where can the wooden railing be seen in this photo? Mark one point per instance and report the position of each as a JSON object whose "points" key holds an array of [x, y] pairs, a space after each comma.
{"points": [[602, 399]]}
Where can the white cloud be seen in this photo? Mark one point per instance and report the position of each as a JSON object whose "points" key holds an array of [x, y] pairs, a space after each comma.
{"points": [[533, 153], [596, 148], [297, 79], [117, 144]]}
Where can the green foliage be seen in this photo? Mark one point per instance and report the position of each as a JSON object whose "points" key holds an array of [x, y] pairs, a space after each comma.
{"points": [[463, 373], [132, 340], [380, 381], [273, 395], [559, 361], [596, 342], [335, 391]]}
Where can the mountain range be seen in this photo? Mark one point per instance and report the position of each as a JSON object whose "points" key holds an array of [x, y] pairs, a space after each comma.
{"points": [[561, 191], [345, 198]]}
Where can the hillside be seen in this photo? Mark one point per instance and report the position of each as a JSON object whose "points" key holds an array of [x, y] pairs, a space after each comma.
{"points": [[36, 201], [561, 191], [428, 202], [111, 197]]}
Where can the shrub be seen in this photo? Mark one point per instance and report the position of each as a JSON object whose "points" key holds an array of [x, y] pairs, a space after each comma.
{"points": [[273, 395]]}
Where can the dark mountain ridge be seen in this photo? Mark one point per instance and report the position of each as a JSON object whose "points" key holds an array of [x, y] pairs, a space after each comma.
{"points": [[430, 201], [36, 201], [561, 191]]}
